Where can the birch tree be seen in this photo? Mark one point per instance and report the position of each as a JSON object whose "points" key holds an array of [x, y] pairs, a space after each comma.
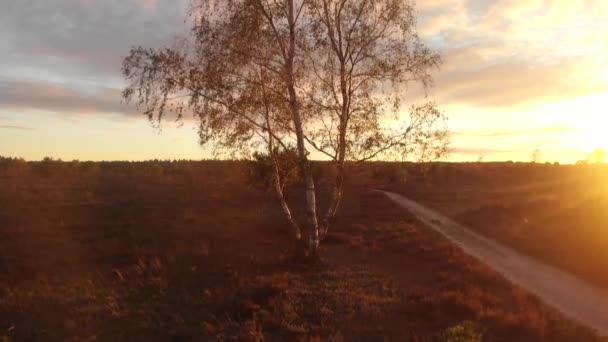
{"points": [[362, 56], [275, 75]]}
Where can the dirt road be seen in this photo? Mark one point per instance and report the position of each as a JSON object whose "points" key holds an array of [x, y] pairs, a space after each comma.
{"points": [[574, 297]]}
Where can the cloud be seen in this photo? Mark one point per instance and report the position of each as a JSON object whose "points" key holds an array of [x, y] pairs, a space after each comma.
{"points": [[148, 4], [513, 53], [61, 98], [498, 54], [482, 151], [82, 39], [23, 128], [556, 129], [70, 99], [515, 82], [64, 56]]}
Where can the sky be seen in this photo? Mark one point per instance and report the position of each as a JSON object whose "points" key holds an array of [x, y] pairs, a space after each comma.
{"points": [[517, 76]]}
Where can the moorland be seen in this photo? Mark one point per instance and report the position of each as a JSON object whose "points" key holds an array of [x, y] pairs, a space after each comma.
{"points": [[188, 251]]}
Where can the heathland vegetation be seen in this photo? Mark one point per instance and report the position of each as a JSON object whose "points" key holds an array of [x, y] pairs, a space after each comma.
{"points": [[556, 213], [196, 250]]}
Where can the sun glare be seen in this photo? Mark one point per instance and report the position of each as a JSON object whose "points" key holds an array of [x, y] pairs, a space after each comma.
{"points": [[596, 135], [604, 74], [586, 120]]}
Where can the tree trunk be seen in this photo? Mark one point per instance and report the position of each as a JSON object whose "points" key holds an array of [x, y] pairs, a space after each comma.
{"points": [[330, 215], [279, 186], [295, 229], [336, 198], [312, 227], [311, 215]]}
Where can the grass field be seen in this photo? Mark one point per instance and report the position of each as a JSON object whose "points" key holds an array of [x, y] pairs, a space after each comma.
{"points": [[558, 214], [189, 251]]}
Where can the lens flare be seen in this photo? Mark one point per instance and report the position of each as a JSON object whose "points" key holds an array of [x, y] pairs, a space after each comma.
{"points": [[604, 74]]}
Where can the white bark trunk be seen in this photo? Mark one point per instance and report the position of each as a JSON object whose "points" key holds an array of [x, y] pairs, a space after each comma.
{"points": [[312, 227], [339, 181], [278, 184], [297, 234], [336, 198]]}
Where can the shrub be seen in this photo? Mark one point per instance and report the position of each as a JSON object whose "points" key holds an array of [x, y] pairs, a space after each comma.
{"points": [[261, 170], [391, 173], [48, 166], [12, 166], [466, 331]]}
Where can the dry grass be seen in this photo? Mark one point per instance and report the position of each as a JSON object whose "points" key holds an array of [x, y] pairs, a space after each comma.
{"points": [[554, 213], [186, 251]]}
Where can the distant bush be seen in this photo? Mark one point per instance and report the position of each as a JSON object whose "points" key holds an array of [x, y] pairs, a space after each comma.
{"points": [[394, 174], [12, 166], [466, 331], [261, 170], [48, 166]]}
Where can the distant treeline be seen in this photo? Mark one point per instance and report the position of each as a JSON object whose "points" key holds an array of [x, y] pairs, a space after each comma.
{"points": [[374, 173]]}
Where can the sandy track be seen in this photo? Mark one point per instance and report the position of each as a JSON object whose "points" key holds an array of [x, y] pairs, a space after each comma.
{"points": [[574, 297]]}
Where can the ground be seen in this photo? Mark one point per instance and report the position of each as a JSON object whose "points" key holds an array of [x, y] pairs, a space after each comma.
{"points": [[190, 251], [554, 213]]}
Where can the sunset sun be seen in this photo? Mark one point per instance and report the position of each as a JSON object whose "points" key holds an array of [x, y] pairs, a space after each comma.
{"points": [[597, 137], [594, 133], [604, 74]]}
